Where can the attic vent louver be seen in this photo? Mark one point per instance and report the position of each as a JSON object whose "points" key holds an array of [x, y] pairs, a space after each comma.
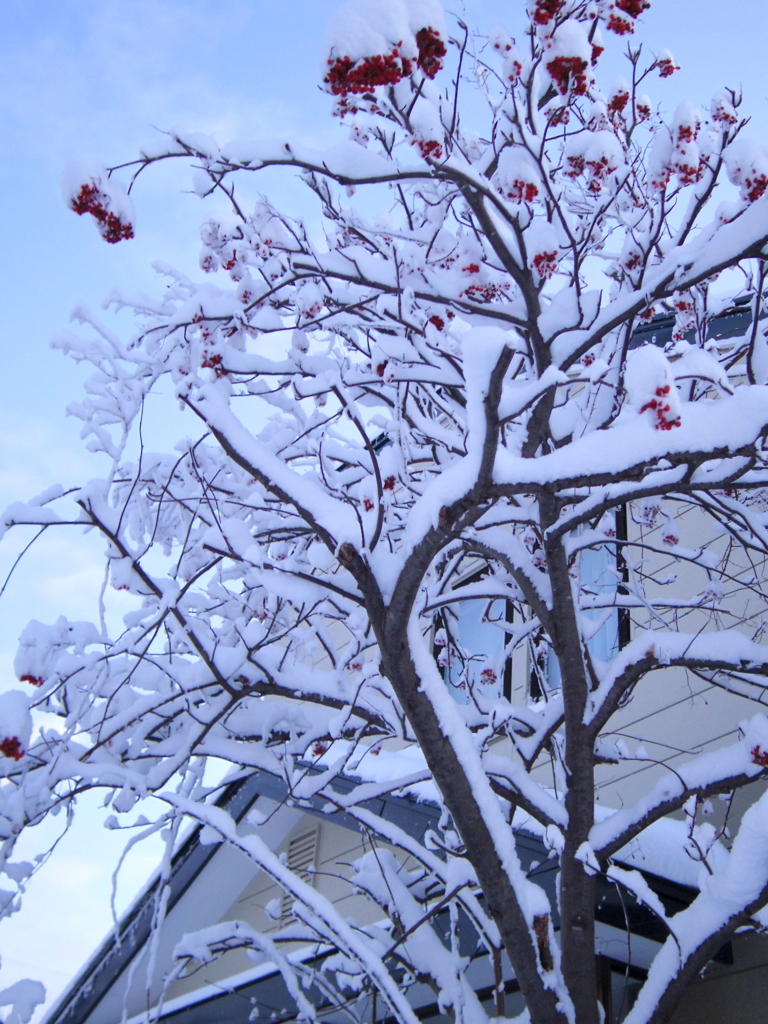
{"points": [[301, 857]]}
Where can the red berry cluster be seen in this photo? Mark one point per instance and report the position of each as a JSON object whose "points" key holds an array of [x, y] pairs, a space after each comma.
{"points": [[667, 67], [389, 483], [622, 23], [431, 51], [688, 174], [558, 115], [643, 111], [205, 330], [349, 76], [319, 749], [367, 504], [600, 170], [11, 747], [90, 200], [756, 186], [312, 311], [546, 10], [523, 191], [545, 263], [438, 322], [686, 133], [618, 101], [343, 107], [661, 409], [429, 147], [723, 112], [621, 26], [381, 367], [569, 72], [513, 70], [471, 268], [648, 514], [596, 52], [488, 676], [485, 292], [759, 757], [576, 165], [662, 178], [634, 8], [32, 680], [212, 361], [633, 260]]}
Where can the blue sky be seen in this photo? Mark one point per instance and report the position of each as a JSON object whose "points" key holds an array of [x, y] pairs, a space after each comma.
{"points": [[100, 77]]}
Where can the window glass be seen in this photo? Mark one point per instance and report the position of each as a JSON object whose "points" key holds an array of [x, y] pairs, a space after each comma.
{"points": [[597, 576], [624, 992], [474, 655], [597, 573]]}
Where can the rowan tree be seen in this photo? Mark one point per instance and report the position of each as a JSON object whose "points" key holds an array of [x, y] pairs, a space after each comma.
{"points": [[436, 399]]}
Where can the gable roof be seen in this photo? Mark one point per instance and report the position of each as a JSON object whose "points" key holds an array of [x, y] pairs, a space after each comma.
{"points": [[264, 984]]}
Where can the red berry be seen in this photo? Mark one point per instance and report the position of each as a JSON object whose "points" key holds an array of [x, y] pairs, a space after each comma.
{"points": [[32, 680], [11, 747]]}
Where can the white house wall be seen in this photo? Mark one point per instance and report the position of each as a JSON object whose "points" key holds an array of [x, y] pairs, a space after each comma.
{"points": [[337, 847]]}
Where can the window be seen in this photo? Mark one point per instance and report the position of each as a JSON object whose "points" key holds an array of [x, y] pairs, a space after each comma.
{"points": [[470, 646], [619, 985], [603, 572], [597, 573]]}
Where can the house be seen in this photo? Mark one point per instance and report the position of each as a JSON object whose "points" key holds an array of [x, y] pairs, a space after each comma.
{"points": [[212, 883]]}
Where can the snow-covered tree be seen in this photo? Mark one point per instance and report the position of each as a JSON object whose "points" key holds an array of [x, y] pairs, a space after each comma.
{"points": [[431, 398]]}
